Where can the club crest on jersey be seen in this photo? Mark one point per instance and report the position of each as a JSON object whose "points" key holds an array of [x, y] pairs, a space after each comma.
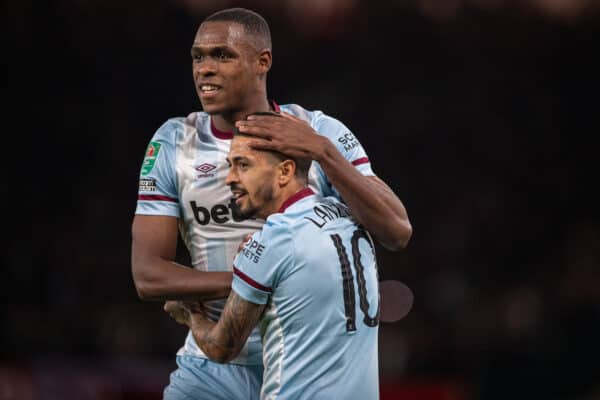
{"points": [[205, 169], [150, 158]]}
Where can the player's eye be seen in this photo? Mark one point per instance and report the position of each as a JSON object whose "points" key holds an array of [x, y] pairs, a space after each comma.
{"points": [[197, 57], [221, 55]]}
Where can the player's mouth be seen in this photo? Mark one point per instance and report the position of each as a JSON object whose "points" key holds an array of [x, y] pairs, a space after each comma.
{"points": [[238, 196], [209, 90]]}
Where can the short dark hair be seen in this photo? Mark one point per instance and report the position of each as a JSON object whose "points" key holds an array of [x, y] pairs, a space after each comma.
{"points": [[302, 164], [253, 23]]}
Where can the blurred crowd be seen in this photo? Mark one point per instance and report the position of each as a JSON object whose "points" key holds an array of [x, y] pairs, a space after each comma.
{"points": [[481, 114]]}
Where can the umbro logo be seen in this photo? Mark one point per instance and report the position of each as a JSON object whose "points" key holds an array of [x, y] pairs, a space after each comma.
{"points": [[205, 170]]}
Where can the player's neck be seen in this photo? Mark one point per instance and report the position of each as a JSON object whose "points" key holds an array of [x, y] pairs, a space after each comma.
{"points": [[226, 121], [287, 195]]}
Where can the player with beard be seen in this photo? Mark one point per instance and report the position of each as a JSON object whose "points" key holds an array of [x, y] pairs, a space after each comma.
{"points": [[182, 190], [308, 279]]}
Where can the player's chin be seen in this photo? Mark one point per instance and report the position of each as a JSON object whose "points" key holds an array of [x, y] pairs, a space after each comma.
{"points": [[247, 211], [213, 107]]}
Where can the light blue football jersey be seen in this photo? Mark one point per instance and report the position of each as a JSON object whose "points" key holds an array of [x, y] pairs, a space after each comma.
{"points": [[315, 269], [183, 175]]}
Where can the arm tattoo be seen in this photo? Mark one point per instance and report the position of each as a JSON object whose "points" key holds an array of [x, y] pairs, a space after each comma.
{"points": [[224, 340]]}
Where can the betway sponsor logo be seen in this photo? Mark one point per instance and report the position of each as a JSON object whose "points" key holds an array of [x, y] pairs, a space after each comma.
{"points": [[219, 213]]}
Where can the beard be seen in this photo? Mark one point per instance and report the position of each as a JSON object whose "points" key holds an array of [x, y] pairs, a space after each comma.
{"points": [[265, 196], [236, 212]]}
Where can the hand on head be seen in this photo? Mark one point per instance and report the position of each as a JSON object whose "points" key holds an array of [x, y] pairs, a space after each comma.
{"points": [[288, 135]]}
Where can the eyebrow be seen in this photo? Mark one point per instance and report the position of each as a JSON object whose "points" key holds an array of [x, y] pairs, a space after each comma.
{"points": [[209, 49], [236, 159], [239, 158]]}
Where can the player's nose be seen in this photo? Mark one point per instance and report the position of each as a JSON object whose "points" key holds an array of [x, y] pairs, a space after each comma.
{"points": [[207, 67], [231, 177]]}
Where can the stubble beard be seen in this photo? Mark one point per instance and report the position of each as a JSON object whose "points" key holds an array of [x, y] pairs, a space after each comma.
{"points": [[266, 195]]}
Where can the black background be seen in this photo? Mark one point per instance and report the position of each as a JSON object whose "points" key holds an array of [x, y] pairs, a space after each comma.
{"points": [[482, 119]]}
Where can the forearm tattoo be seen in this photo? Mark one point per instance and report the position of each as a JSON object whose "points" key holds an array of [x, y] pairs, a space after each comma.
{"points": [[225, 339]]}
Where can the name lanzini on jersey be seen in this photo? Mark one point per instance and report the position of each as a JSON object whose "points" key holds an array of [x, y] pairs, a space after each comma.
{"points": [[328, 211]]}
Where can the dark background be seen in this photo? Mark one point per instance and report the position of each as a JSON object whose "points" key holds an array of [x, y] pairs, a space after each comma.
{"points": [[481, 115]]}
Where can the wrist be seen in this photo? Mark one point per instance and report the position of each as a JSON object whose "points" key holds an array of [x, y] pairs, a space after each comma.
{"points": [[197, 322], [323, 150]]}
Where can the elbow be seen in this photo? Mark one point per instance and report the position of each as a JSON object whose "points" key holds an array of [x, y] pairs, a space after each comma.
{"points": [[219, 354], [400, 238], [216, 353], [146, 287], [144, 290]]}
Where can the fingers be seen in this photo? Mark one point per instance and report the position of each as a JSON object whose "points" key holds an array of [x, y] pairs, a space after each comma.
{"points": [[263, 145], [264, 117], [267, 126], [258, 128], [194, 307], [283, 148], [276, 117], [291, 117], [243, 243], [170, 306], [175, 311], [288, 135]]}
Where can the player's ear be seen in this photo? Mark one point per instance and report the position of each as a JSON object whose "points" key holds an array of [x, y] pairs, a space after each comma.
{"points": [[264, 61], [287, 170]]}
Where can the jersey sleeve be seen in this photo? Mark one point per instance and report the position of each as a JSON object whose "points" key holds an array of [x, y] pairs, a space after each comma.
{"points": [[262, 263], [157, 193], [345, 141]]}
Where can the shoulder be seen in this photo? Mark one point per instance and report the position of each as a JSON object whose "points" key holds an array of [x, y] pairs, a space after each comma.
{"points": [[293, 223], [286, 227], [169, 130], [277, 227], [196, 120], [311, 116], [177, 127], [321, 122], [299, 112]]}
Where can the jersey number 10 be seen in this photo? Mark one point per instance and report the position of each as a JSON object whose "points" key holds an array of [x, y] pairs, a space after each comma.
{"points": [[348, 278]]}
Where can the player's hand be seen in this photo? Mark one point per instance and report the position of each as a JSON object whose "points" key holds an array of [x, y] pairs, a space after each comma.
{"points": [[283, 133], [182, 311], [243, 242], [177, 311], [194, 307]]}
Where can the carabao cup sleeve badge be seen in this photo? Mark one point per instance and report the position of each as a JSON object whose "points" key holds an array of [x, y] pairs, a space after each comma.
{"points": [[150, 158]]}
